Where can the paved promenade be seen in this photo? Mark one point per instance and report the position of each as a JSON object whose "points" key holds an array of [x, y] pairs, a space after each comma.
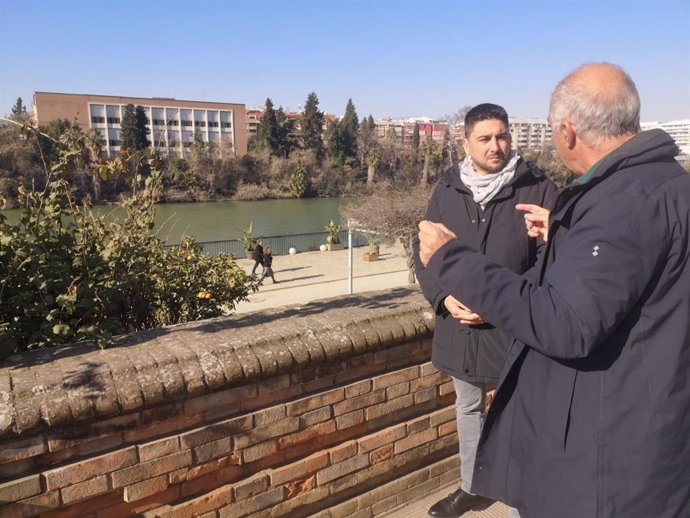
{"points": [[309, 276]]}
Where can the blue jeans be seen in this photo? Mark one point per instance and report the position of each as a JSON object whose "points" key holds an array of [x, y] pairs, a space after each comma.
{"points": [[470, 412]]}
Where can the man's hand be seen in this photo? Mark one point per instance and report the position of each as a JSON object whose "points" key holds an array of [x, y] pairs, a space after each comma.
{"points": [[432, 236], [536, 220], [461, 312]]}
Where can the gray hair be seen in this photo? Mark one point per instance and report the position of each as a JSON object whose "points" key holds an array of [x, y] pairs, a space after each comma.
{"points": [[596, 115]]}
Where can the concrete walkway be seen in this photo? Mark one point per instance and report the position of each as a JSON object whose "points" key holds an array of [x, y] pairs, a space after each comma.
{"points": [[309, 276]]}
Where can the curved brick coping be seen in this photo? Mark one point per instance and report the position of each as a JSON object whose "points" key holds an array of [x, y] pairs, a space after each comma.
{"points": [[57, 388]]}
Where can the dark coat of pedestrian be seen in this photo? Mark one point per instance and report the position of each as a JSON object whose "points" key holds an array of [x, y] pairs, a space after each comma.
{"points": [[258, 256], [268, 265]]}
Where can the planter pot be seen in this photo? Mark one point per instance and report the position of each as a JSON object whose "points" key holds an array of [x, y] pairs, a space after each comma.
{"points": [[250, 254], [370, 256], [335, 246]]}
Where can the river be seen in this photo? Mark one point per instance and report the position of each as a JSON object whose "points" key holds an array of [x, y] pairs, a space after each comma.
{"points": [[212, 221]]}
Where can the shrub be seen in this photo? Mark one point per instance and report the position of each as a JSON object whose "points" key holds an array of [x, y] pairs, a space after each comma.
{"points": [[68, 275]]}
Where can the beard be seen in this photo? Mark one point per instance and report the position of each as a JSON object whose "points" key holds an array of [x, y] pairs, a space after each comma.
{"points": [[492, 165]]}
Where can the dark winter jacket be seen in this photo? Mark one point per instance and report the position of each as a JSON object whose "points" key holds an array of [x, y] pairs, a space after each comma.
{"points": [[592, 415], [477, 353]]}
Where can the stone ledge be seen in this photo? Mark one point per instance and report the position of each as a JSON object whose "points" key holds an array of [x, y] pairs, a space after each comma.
{"points": [[52, 389]]}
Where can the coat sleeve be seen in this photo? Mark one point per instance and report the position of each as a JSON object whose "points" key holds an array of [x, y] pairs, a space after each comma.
{"points": [[602, 267], [430, 287]]}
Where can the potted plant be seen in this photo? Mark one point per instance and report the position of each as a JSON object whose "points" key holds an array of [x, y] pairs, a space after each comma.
{"points": [[372, 254], [333, 238], [248, 241]]}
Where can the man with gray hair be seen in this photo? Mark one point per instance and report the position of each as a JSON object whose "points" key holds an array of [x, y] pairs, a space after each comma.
{"points": [[591, 414]]}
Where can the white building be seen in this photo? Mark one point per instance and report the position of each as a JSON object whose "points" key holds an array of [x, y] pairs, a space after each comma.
{"points": [[529, 133]]}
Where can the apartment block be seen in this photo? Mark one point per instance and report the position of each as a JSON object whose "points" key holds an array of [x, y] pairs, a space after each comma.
{"points": [[529, 133], [404, 129], [173, 123]]}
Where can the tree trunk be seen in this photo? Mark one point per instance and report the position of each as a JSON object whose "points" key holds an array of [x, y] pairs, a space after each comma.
{"points": [[425, 169], [409, 259], [371, 172]]}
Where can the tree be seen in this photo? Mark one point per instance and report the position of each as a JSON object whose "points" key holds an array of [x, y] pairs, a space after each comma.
{"points": [[415, 143], [366, 138], [285, 135], [349, 126], [134, 129], [429, 149], [393, 212], [298, 179], [312, 126], [268, 129], [373, 159], [19, 112]]}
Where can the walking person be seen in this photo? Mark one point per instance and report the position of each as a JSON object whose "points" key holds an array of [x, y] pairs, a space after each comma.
{"points": [[476, 198], [258, 256], [590, 417], [268, 266]]}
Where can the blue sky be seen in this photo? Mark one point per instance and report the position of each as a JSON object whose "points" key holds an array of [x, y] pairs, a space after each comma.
{"points": [[392, 57]]}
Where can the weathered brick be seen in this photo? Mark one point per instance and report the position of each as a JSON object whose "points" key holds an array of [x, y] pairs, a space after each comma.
{"points": [[396, 377], [198, 507], [225, 398], [415, 440], [446, 388], [447, 428], [259, 451], [145, 488], [274, 430], [442, 416], [317, 401], [385, 436], [253, 505], [427, 369], [167, 427], [381, 454], [150, 469], [318, 430], [424, 395], [19, 489], [160, 448], [251, 486], [22, 449], [342, 452], [269, 415], [417, 425], [357, 389], [216, 431], [430, 381], [341, 469], [292, 506], [274, 384], [84, 490], [315, 416], [212, 450], [356, 403], [299, 469], [297, 487], [397, 390], [348, 420], [199, 485], [389, 407], [344, 510], [91, 468], [33, 506]]}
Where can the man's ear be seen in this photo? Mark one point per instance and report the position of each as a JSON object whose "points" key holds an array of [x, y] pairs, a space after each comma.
{"points": [[568, 134], [465, 146]]}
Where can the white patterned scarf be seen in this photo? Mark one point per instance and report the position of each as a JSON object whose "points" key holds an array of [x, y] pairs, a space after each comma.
{"points": [[485, 187]]}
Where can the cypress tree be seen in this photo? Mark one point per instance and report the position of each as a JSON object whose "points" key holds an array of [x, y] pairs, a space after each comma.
{"points": [[312, 126]]}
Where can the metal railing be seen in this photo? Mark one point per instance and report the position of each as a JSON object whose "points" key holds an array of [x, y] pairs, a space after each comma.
{"points": [[280, 245]]}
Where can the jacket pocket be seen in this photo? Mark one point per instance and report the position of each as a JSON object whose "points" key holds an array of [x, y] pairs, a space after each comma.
{"points": [[558, 402]]}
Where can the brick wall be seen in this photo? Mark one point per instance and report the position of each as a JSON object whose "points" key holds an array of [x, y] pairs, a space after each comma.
{"points": [[330, 409]]}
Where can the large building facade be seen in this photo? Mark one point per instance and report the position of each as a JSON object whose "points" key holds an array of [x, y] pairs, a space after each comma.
{"points": [[173, 124], [679, 130]]}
